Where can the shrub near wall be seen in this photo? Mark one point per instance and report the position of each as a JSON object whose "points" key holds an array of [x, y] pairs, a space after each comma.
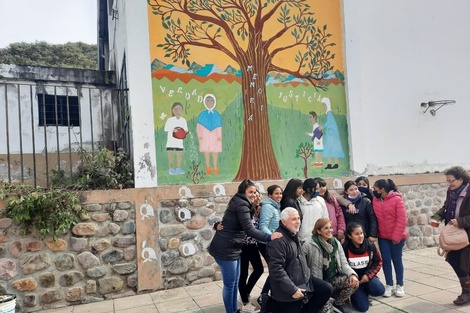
{"points": [[96, 260]]}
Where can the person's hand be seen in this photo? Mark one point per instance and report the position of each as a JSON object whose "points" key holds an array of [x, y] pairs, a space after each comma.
{"points": [[340, 236], [373, 239], [219, 227], [276, 235], [353, 281], [454, 222], [299, 294], [200, 138], [351, 208], [395, 242], [219, 139], [365, 279], [307, 133]]}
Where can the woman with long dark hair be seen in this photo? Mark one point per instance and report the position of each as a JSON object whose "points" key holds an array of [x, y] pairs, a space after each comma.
{"points": [[226, 246], [363, 213], [291, 194], [333, 206], [365, 259], [390, 211], [456, 211]]}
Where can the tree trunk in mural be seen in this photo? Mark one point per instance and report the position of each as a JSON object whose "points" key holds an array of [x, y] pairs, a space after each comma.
{"points": [[226, 26], [258, 161]]}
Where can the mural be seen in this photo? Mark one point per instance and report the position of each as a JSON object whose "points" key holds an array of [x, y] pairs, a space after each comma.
{"points": [[248, 89]]}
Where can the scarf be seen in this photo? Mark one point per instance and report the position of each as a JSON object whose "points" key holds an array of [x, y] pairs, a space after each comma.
{"points": [[356, 199], [329, 256], [355, 250], [451, 207]]}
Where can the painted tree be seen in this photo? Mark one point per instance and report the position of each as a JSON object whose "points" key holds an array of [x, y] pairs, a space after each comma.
{"points": [[235, 28], [304, 151]]}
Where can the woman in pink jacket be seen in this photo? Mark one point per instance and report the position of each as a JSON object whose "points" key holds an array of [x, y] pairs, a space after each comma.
{"points": [[389, 208]]}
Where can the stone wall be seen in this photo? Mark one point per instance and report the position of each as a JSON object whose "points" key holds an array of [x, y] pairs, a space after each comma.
{"points": [[93, 262]]}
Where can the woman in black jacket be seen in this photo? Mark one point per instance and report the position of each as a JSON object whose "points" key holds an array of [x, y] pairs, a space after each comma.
{"points": [[226, 246], [365, 259], [291, 194], [362, 213]]}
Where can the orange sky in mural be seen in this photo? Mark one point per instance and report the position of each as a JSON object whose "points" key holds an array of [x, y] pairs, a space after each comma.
{"points": [[326, 12]]}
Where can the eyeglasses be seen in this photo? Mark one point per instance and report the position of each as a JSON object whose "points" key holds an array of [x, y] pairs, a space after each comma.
{"points": [[450, 181]]}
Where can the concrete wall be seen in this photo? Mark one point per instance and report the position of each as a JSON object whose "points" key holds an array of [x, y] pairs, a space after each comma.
{"points": [[129, 46], [29, 151], [399, 54]]}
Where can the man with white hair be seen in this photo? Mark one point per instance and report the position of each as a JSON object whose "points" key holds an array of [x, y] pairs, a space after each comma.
{"points": [[293, 289]]}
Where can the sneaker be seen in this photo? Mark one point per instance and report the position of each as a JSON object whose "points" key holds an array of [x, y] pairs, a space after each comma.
{"points": [[172, 172], [388, 291], [249, 308], [400, 292], [341, 307], [179, 171]]}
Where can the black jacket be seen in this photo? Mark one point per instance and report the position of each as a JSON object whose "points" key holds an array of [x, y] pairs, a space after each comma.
{"points": [[227, 243], [287, 265], [366, 216], [293, 203]]}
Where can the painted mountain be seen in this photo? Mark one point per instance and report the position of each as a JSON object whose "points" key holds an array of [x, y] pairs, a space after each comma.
{"points": [[211, 71]]}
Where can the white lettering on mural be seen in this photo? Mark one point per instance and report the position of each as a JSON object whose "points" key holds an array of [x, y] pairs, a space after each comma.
{"points": [[188, 94], [298, 97]]}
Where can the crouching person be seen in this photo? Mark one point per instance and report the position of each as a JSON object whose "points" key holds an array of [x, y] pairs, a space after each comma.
{"points": [[293, 289], [326, 260]]}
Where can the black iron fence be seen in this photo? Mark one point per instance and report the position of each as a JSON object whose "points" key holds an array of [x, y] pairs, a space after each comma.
{"points": [[45, 127]]}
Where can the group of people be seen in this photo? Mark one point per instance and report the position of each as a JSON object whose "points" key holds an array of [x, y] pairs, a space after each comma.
{"points": [[317, 243]]}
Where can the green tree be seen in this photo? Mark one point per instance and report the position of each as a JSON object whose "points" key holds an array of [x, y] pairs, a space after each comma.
{"points": [[41, 53]]}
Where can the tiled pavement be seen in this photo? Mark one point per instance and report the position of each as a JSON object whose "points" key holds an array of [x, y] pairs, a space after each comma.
{"points": [[430, 286]]}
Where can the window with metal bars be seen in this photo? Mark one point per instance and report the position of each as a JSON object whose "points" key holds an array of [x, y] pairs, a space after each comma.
{"points": [[57, 111]]}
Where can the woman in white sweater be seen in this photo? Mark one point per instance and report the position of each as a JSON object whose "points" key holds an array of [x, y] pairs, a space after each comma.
{"points": [[312, 206]]}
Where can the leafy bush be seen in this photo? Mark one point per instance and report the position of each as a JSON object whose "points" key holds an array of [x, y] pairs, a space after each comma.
{"points": [[100, 171], [50, 211]]}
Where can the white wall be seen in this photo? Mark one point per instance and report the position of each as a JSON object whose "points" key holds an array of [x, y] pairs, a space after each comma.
{"points": [[129, 37], [398, 54], [92, 106]]}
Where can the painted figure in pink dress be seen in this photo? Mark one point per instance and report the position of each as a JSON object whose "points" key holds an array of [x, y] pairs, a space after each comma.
{"points": [[209, 133]]}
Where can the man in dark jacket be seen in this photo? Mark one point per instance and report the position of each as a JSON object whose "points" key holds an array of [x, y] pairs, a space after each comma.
{"points": [[293, 289]]}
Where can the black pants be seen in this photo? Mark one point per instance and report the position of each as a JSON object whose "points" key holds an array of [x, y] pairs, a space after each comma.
{"points": [[250, 254], [322, 293], [263, 250]]}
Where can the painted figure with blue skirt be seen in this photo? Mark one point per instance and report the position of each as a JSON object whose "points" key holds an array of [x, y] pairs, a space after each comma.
{"points": [[332, 148]]}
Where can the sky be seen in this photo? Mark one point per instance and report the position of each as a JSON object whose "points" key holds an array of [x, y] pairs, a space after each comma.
{"points": [[53, 21]]}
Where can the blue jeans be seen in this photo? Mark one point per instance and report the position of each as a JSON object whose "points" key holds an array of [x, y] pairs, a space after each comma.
{"points": [[392, 253], [230, 274], [360, 299]]}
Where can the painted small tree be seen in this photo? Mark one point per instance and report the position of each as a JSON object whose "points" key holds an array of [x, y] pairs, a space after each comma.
{"points": [[237, 28], [304, 151]]}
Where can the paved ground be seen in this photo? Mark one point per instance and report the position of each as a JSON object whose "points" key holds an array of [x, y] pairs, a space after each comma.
{"points": [[430, 286]]}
